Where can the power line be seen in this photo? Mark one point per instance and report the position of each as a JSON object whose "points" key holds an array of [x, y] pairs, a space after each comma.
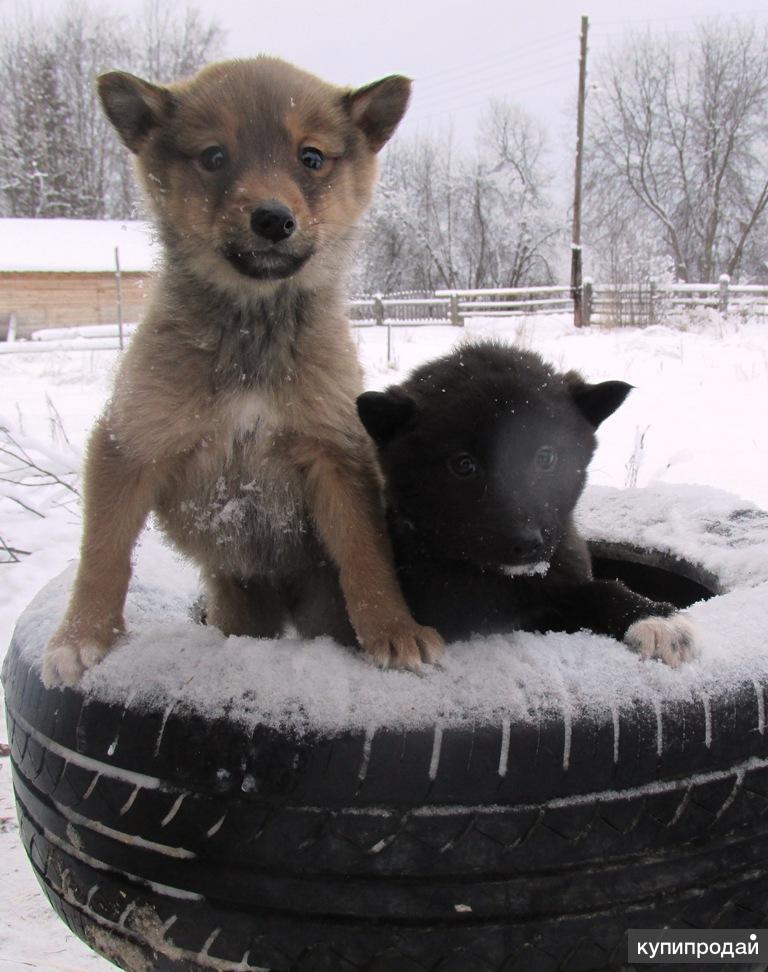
{"points": [[506, 77], [699, 17], [518, 69], [439, 101], [501, 55], [558, 78]]}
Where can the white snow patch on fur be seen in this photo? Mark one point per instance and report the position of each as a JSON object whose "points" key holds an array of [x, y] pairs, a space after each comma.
{"points": [[525, 570]]}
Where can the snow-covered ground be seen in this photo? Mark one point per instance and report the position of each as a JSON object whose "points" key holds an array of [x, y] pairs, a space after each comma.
{"points": [[697, 416]]}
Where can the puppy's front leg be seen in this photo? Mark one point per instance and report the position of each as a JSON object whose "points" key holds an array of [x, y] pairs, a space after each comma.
{"points": [[345, 502], [118, 497]]}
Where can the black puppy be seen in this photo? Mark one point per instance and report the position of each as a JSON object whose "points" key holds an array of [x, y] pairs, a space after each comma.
{"points": [[485, 454]]}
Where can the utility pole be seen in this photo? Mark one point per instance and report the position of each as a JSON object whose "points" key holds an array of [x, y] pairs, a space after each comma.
{"points": [[576, 269]]}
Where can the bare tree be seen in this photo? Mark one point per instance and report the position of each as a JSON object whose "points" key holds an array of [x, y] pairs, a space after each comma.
{"points": [[511, 207], [443, 219], [34, 154], [678, 140], [172, 44], [411, 228], [58, 154], [85, 42]]}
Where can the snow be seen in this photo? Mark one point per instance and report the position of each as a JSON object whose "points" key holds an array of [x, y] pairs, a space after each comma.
{"points": [[86, 331], [319, 685], [699, 405], [709, 527], [71, 246]]}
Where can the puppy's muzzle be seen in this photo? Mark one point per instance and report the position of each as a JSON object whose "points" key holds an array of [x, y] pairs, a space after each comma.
{"points": [[273, 222]]}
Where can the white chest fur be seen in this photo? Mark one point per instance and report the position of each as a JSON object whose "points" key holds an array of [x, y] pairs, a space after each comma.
{"points": [[248, 413]]}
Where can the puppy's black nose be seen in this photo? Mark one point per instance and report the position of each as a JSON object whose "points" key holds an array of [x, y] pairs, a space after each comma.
{"points": [[527, 541], [273, 221]]}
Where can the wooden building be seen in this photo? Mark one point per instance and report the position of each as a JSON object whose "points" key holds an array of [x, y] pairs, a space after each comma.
{"points": [[61, 272]]}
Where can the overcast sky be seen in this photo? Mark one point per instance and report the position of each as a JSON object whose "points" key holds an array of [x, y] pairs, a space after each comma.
{"points": [[459, 53]]}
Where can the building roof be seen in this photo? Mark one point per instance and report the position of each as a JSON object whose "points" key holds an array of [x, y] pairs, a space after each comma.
{"points": [[75, 245]]}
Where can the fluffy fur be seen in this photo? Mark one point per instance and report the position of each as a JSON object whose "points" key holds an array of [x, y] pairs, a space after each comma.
{"points": [[485, 454], [233, 413]]}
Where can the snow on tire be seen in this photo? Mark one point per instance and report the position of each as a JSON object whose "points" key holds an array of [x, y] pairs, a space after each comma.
{"points": [[209, 803]]}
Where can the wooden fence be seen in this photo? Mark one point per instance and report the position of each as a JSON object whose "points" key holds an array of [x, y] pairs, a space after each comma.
{"points": [[603, 304], [654, 303], [622, 304], [511, 301], [400, 309]]}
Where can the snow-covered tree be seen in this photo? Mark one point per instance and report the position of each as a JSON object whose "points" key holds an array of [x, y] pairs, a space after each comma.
{"points": [[512, 228], [677, 146], [443, 218], [58, 153]]}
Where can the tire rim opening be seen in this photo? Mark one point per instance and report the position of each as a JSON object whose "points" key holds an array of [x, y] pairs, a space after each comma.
{"points": [[653, 573]]}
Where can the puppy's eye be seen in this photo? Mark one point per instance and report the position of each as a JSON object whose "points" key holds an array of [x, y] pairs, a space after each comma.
{"points": [[546, 458], [462, 466], [311, 157], [213, 158]]}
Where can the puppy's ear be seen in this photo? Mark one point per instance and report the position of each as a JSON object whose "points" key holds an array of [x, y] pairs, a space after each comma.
{"points": [[383, 414], [134, 107], [377, 108], [597, 402]]}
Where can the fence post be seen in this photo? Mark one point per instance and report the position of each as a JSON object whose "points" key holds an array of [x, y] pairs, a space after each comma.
{"points": [[378, 316], [456, 318], [723, 302], [119, 284], [586, 303], [378, 310], [10, 337], [653, 296]]}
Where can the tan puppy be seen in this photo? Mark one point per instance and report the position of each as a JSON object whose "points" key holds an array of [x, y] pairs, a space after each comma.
{"points": [[233, 416]]}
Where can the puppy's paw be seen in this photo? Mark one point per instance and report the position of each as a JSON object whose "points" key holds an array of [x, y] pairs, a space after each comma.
{"points": [[672, 639], [68, 655], [404, 645], [61, 665]]}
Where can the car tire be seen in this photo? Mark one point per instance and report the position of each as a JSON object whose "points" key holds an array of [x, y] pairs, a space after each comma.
{"points": [[170, 840]]}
